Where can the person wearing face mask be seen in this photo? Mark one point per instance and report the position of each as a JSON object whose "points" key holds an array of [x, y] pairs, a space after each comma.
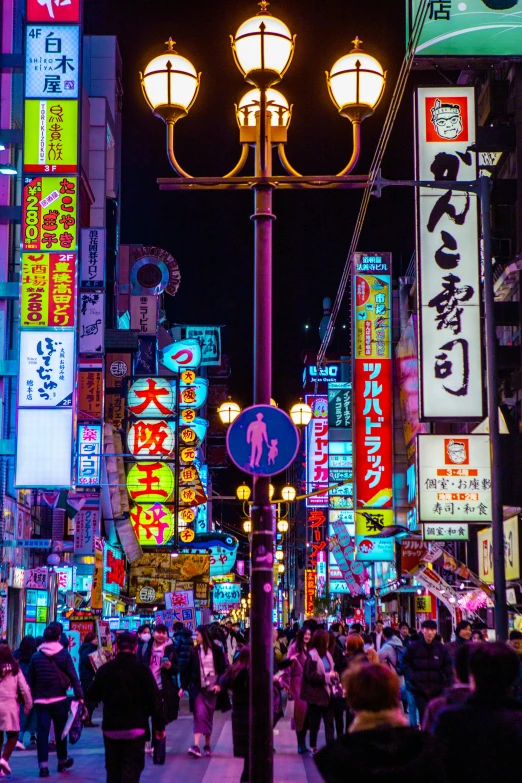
{"points": [[144, 636]]}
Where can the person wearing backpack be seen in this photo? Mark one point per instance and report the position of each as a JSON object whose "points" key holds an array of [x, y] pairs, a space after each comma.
{"points": [[392, 653], [51, 673]]}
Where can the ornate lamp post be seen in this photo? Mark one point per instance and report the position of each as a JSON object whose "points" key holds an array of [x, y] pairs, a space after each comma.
{"points": [[263, 47]]}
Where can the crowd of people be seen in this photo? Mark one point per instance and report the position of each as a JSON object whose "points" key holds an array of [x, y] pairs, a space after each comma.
{"points": [[393, 702]]}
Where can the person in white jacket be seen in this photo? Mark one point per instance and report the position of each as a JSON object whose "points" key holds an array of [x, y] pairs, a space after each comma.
{"points": [[12, 687]]}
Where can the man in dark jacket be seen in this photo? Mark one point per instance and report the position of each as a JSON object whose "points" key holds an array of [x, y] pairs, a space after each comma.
{"points": [[427, 667], [51, 673], [183, 645], [86, 670], [130, 697], [462, 636], [480, 737]]}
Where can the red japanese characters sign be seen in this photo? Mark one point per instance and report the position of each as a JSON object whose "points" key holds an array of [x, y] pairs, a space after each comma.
{"points": [[151, 438], [316, 535], [48, 289], [152, 523], [49, 213], [53, 11], [310, 582], [152, 398]]}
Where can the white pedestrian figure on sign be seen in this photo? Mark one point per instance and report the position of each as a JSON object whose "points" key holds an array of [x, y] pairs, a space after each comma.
{"points": [[257, 435], [273, 451]]}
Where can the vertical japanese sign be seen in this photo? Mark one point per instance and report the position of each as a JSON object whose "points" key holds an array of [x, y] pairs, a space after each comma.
{"points": [[310, 584], [89, 454], [372, 368], [317, 451], [93, 258], [448, 261]]}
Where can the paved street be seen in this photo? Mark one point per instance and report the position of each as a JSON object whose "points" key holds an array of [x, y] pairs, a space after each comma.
{"points": [[222, 767]]}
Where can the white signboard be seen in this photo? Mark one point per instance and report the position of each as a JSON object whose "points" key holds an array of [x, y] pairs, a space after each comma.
{"points": [[93, 258], [92, 322], [44, 449], [448, 256], [86, 529], [181, 599], [445, 531], [52, 61], [47, 367], [36, 578], [144, 313], [454, 478]]}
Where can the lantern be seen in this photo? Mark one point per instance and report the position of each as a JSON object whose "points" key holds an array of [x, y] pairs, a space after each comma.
{"points": [[150, 482], [151, 438], [151, 398], [153, 523]]}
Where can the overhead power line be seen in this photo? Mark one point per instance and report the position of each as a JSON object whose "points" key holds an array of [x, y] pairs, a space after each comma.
{"points": [[374, 171]]}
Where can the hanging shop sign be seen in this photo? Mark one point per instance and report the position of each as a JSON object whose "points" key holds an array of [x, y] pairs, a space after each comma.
{"points": [[117, 369], [89, 454], [113, 569], [511, 552], [310, 579], [316, 440], [408, 381], [221, 547], [209, 338], [152, 398], [476, 28], [154, 271], [150, 482], [372, 368], [181, 355], [413, 551], [92, 257], [151, 438], [193, 433], [153, 523], [53, 11], [369, 523], [52, 61], [226, 596], [180, 599], [48, 290], [51, 136], [90, 393], [97, 578], [144, 314], [448, 263], [316, 529], [46, 370], [86, 529], [435, 583], [340, 405], [66, 578], [321, 574], [92, 321], [36, 430], [445, 531], [454, 478], [36, 578], [49, 213], [146, 357], [195, 394]]}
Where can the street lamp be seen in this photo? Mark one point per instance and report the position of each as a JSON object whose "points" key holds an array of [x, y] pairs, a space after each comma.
{"points": [[263, 47], [300, 413], [282, 526], [279, 554], [247, 526], [243, 492], [228, 412], [271, 490], [288, 494]]}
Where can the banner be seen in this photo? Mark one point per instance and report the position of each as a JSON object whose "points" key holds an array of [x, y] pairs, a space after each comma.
{"points": [[86, 530], [448, 263]]}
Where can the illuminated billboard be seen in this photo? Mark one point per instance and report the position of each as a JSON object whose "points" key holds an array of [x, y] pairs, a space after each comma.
{"points": [[48, 289], [51, 136], [49, 213]]}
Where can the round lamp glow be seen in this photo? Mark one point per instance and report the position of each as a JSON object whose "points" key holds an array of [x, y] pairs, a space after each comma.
{"points": [[263, 47], [170, 84], [271, 491], [288, 493], [247, 526], [229, 411], [243, 492], [356, 83], [277, 105], [301, 413], [282, 526], [279, 554], [281, 568]]}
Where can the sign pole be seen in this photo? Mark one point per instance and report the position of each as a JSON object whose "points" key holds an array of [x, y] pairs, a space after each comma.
{"points": [[499, 566]]}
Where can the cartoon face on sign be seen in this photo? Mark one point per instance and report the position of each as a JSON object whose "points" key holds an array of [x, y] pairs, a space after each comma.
{"points": [[456, 452], [446, 120]]}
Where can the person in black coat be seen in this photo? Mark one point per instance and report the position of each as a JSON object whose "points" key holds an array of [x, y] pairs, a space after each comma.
{"points": [[237, 680], [480, 737], [379, 746], [183, 644], [130, 697], [428, 668], [51, 673], [86, 671]]}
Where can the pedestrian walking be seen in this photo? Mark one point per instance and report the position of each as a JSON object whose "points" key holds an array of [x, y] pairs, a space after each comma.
{"points": [[457, 694], [379, 745], [376, 634], [336, 650], [230, 644], [480, 737], [13, 689], [318, 677], [201, 679], [463, 634], [51, 673], [23, 657], [237, 680], [183, 645], [280, 647], [427, 667], [86, 671], [130, 698], [160, 657], [144, 636], [292, 680], [392, 653], [404, 634]]}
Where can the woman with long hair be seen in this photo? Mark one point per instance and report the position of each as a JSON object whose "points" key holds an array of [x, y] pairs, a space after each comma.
{"points": [[237, 680], [23, 657], [292, 680], [318, 677], [12, 687], [201, 678]]}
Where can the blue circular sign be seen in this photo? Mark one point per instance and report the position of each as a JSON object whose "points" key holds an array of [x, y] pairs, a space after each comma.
{"points": [[262, 441]]}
